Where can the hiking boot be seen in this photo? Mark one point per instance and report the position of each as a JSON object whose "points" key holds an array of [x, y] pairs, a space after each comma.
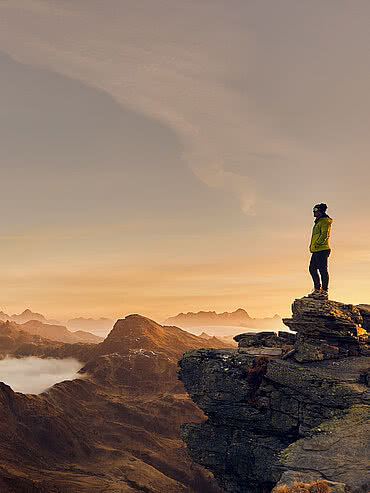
{"points": [[323, 295], [316, 293]]}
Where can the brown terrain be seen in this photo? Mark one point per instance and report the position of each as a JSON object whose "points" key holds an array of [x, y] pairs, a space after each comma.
{"points": [[58, 332], [36, 323], [116, 428]]}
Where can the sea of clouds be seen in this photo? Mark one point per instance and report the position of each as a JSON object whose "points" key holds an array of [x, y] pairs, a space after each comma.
{"points": [[34, 375]]}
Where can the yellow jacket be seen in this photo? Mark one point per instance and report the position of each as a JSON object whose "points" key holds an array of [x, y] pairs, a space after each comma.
{"points": [[321, 234]]}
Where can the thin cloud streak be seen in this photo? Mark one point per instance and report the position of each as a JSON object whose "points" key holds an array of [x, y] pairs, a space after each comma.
{"points": [[174, 85]]}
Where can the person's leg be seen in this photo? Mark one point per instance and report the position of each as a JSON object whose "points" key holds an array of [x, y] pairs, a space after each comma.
{"points": [[313, 271], [322, 263]]}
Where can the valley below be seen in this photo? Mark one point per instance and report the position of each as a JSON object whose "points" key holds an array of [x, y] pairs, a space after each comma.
{"points": [[115, 427]]}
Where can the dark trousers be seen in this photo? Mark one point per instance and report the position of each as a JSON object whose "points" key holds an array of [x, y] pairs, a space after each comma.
{"points": [[319, 263]]}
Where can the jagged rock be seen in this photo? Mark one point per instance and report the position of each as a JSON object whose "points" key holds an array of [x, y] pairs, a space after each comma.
{"points": [[365, 313], [289, 337], [265, 339], [326, 330]]}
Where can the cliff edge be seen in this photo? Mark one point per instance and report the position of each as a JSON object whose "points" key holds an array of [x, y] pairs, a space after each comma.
{"points": [[275, 421]]}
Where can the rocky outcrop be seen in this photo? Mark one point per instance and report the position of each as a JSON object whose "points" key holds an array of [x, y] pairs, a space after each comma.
{"points": [[271, 419], [339, 448], [365, 313], [266, 343], [327, 330]]}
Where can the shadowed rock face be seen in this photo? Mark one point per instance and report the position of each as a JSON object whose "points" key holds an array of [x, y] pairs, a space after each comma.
{"points": [[365, 313], [269, 417]]}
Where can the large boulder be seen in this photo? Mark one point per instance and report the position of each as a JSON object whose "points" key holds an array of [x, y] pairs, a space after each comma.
{"points": [[326, 330]]}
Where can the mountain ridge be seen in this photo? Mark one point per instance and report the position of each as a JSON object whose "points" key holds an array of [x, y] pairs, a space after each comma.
{"points": [[239, 317], [115, 428]]}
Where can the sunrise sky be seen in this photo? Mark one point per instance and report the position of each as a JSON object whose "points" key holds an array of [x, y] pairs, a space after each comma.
{"points": [[160, 156]]}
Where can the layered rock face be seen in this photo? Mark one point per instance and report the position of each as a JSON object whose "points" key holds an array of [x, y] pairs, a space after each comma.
{"points": [[326, 330], [270, 419]]}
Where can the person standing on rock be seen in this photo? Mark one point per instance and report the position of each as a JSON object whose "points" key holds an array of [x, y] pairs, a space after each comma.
{"points": [[320, 249]]}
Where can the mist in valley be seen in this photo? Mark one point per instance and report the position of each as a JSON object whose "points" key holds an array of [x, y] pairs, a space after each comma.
{"points": [[34, 375]]}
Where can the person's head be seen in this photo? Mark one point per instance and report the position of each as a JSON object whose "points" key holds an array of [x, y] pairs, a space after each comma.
{"points": [[319, 210]]}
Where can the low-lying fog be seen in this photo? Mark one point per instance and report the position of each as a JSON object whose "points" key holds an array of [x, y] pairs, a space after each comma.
{"points": [[34, 375]]}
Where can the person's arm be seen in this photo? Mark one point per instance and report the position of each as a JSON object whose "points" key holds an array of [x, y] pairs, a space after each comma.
{"points": [[324, 233]]}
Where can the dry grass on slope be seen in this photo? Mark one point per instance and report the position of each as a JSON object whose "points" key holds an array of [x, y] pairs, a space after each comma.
{"points": [[315, 487]]}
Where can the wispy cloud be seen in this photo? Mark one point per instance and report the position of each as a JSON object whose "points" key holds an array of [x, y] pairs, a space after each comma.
{"points": [[178, 83], [214, 175]]}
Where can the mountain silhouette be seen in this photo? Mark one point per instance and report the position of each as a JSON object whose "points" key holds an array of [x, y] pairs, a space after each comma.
{"points": [[26, 316], [239, 318]]}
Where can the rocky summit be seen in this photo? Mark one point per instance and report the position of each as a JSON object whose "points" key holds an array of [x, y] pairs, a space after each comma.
{"points": [[327, 330], [283, 407]]}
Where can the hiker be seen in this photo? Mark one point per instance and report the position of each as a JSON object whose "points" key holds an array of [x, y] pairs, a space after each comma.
{"points": [[320, 250]]}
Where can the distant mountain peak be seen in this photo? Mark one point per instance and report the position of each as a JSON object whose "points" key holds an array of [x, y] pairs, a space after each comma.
{"points": [[136, 332], [239, 317], [27, 315], [241, 311], [83, 323], [134, 325], [27, 311], [204, 335]]}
